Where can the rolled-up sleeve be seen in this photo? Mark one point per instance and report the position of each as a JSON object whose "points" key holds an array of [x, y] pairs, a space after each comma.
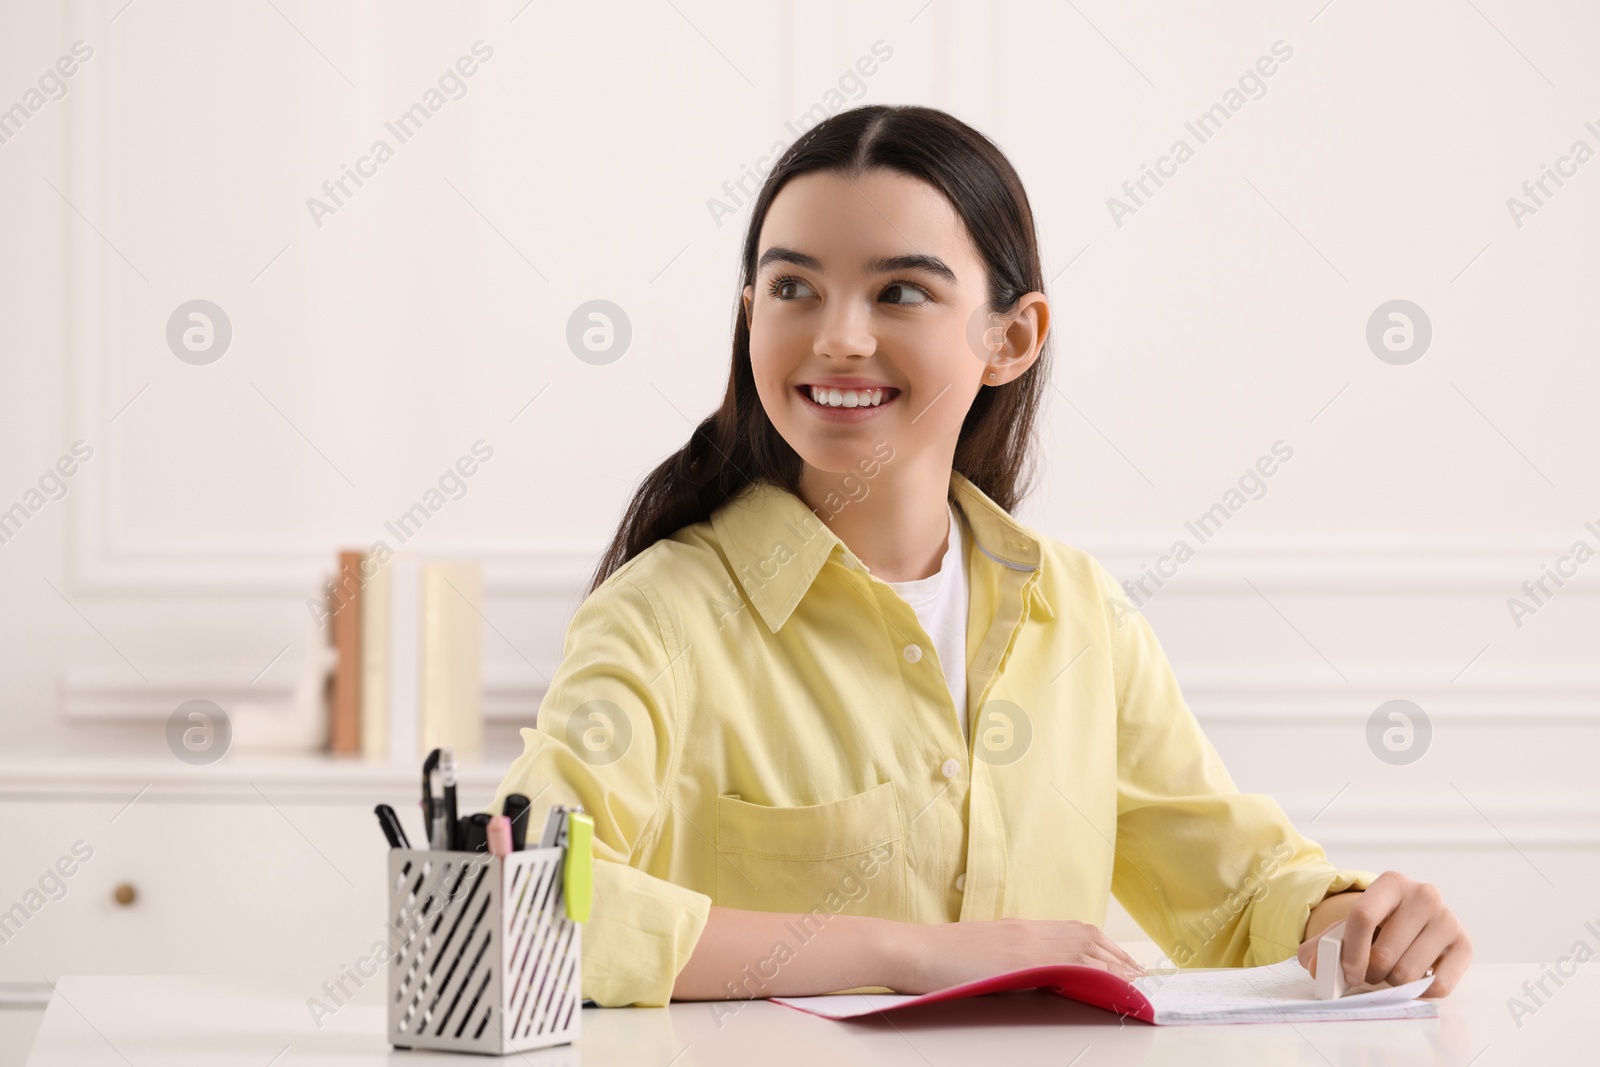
{"points": [[1216, 877], [606, 737]]}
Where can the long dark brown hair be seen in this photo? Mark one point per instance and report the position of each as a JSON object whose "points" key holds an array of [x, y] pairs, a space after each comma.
{"points": [[737, 443]]}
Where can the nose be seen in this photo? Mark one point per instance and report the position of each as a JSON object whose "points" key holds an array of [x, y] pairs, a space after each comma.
{"points": [[845, 331]]}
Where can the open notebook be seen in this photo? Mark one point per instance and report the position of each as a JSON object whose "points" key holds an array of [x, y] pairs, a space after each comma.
{"points": [[1281, 992]]}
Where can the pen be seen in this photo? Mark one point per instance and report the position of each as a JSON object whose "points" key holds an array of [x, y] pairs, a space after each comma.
{"points": [[447, 775], [473, 833], [516, 809], [438, 835], [428, 765], [391, 826]]}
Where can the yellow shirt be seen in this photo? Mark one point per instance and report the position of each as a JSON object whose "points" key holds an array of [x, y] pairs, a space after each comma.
{"points": [[754, 721]]}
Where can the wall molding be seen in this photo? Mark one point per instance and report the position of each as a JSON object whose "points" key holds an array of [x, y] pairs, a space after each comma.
{"points": [[1240, 694], [1484, 695], [1286, 566], [105, 693], [1354, 565], [1477, 817]]}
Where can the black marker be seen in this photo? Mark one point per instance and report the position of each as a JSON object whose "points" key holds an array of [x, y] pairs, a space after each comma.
{"points": [[391, 826], [429, 765], [516, 809], [472, 833]]}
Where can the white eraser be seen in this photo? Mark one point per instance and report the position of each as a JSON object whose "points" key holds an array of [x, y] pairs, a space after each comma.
{"points": [[1330, 983]]}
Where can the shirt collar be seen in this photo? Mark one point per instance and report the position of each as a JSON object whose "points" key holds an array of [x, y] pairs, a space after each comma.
{"points": [[776, 545]]}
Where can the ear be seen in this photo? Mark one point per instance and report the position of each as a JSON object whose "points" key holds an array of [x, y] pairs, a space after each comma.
{"points": [[745, 298], [1021, 338]]}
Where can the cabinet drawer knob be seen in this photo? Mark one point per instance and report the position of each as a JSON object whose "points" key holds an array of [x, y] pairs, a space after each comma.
{"points": [[124, 894]]}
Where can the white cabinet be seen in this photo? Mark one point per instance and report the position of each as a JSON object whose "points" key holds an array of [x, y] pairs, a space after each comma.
{"points": [[259, 867]]}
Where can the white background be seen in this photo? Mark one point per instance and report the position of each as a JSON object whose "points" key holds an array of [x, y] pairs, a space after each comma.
{"points": [[1228, 313]]}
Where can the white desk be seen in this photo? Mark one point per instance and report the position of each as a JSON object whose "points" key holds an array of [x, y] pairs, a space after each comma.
{"points": [[182, 1020]]}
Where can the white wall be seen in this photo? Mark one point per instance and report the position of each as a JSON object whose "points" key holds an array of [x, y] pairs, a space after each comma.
{"points": [[1229, 312]]}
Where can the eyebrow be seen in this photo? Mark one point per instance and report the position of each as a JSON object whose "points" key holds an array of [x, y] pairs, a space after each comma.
{"points": [[882, 265]]}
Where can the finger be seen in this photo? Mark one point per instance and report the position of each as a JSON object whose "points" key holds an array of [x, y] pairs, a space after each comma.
{"points": [[1120, 962], [1087, 934], [1117, 951], [1361, 921], [1396, 937], [1424, 952], [1092, 954], [1450, 967], [1308, 957], [1089, 959]]}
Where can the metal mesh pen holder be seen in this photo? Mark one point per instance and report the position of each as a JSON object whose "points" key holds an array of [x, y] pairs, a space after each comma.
{"points": [[489, 959]]}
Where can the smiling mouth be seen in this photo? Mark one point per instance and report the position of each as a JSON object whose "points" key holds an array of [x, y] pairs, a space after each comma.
{"points": [[839, 399]]}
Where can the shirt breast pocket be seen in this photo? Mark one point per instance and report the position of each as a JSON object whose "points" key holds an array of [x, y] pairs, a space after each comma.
{"points": [[840, 857]]}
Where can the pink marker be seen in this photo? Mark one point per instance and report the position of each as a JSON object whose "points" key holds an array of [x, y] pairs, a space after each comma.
{"points": [[500, 836]]}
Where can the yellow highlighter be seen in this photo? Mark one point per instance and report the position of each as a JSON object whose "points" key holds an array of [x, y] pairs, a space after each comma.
{"points": [[571, 828], [578, 877]]}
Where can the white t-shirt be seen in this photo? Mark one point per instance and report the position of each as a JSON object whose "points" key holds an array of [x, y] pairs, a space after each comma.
{"points": [[940, 603]]}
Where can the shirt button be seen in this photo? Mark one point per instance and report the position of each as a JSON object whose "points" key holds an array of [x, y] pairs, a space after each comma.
{"points": [[912, 653], [950, 768], [961, 881]]}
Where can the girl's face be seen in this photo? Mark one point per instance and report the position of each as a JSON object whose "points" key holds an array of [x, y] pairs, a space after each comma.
{"points": [[866, 317]]}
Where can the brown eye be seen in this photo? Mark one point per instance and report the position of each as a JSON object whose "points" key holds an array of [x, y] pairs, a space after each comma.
{"points": [[783, 288], [916, 293]]}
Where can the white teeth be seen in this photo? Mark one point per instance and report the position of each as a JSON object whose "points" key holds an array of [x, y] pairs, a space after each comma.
{"points": [[847, 398]]}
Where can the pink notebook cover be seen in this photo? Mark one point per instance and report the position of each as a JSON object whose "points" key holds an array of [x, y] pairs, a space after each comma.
{"points": [[1087, 985]]}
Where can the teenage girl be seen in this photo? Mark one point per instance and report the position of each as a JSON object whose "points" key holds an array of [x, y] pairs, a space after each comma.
{"points": [[843, 722]]}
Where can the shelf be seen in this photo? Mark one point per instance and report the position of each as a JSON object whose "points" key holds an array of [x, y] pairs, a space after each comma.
{"points": [[294, 778]]}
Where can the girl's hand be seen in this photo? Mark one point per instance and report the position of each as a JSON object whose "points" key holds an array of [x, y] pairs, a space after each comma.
{"points": [[1415, 933], [947, 954]]}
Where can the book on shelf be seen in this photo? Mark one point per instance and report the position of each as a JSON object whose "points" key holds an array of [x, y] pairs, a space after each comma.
{"points": [[344, 607], [419, 659], [451, 683]]}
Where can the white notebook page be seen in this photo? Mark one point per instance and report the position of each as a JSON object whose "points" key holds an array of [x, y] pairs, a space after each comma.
{"points": [[1280, 992]]}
